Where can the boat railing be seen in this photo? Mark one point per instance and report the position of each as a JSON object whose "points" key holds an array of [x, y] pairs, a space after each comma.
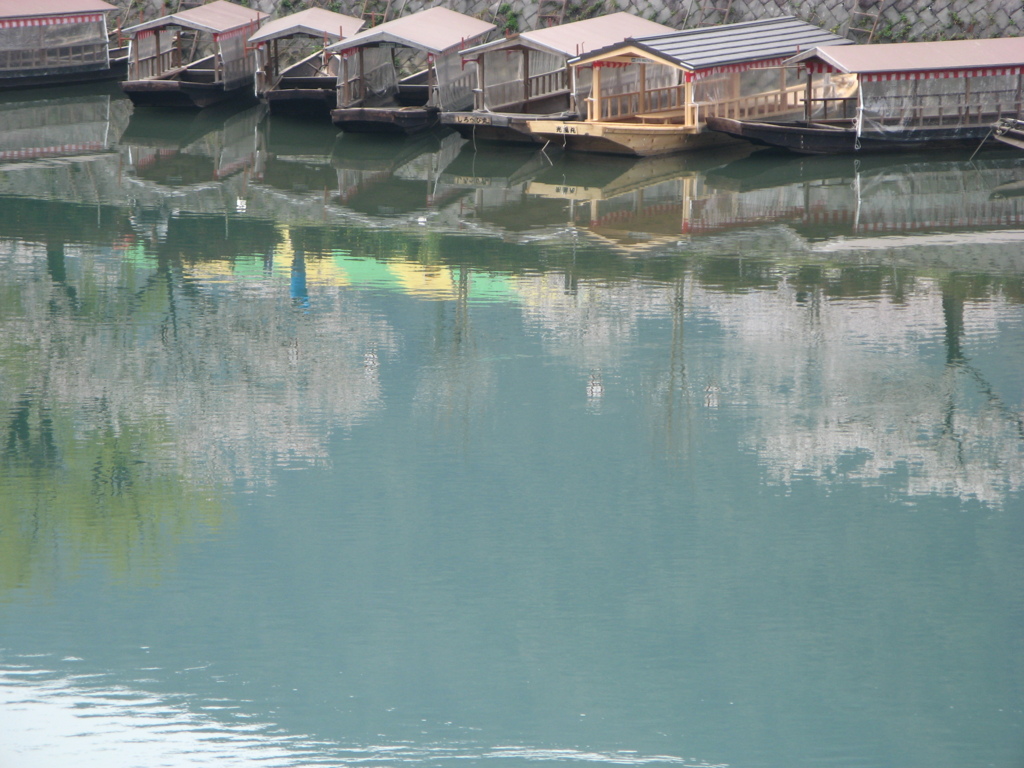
{"points": [[154, 66], [668, 104], [513, 92]]}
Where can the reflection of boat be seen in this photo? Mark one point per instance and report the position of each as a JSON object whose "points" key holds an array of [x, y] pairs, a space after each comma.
{"points": [[65, 126], [824, 196], [494, 167], [371, 98], [56, 44], [527, 76], [194, 58], [296, 156], [179, 150], [910, 96], [308, 86], [651, 95], [410, 167], [1009, 131]]}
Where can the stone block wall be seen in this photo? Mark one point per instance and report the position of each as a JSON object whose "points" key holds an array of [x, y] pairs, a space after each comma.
{"points": [[897, 20]]}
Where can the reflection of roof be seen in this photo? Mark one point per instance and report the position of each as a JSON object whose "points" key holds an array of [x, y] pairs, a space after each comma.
{"points": [[19, 9], [920, 57], [708, 47], [434, 30], [579, 36], [315, 22], [216, 17]]}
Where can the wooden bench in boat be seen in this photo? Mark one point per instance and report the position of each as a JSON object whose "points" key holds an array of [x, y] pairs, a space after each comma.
{"points": [[672, 116]]}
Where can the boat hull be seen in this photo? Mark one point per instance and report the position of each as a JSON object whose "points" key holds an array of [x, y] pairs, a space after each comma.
{"points": [[302, 102], [67, 76], [178, 94], [503, 127], [1010, 132], [824, 140], [400, 121], [631, 139]]}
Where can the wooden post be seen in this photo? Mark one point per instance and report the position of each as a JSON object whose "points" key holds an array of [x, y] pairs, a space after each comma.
{"points": [[362, 76], [596, 93], [691, 118], [808, 110], [641, 101], [526, 77]]}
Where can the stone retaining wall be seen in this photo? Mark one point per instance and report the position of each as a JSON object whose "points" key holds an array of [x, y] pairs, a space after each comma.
{"points": [[897, 20]]}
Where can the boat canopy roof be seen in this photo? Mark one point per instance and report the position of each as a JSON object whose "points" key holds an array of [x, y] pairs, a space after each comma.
{"points": [[217, 17], [20, 9], [704, 48], [314, 22], [434, 30], [935, 59], [579, 36]]}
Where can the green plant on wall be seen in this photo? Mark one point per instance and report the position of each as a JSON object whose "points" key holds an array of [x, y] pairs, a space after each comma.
{"points": [[507, 18], [576, 11]]}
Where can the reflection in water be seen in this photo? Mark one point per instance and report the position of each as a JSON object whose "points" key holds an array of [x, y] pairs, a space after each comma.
{"points": [[597, 461], [53, 718]]}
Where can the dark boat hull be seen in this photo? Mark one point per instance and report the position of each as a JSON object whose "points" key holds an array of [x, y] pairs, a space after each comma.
{"points": [[1010, 132], [401, 121], [67, 76], [314, 103], [816, 139], [179, 94]]}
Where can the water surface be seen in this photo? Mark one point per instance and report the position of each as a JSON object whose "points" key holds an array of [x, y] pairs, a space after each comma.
{"points": [[324, 450]]}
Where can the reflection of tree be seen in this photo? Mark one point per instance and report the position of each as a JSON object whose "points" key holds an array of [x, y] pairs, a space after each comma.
{"points": [[842, 391], [133, 387]]}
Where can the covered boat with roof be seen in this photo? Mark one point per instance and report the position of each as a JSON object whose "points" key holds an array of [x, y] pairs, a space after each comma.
{"points": [[901, 97], [371, 94], [194, 58], [652, 95], [56, 42], [527, 76], [291, 78]]}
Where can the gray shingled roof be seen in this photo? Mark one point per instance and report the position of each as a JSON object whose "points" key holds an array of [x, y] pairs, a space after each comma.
{"points": [[708, 47]]}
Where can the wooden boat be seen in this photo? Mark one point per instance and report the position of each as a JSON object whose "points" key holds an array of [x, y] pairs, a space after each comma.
{"points": [[372, 98], [651, 95], [904, 97], [307, 87], [527, 76], [194, 58], [56, 42], [1009, 131]]}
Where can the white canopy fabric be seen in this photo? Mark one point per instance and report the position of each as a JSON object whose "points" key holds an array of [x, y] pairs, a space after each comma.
{"points": [[578, 37], [939, 56], [20, 9], [217, 17], [314, 22], [435, 30]]}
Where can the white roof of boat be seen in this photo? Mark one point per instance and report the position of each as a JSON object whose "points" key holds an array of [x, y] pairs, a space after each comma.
{"points": [[217, 17], [920, 57], [434, 30], [579, 36], [20, 9], [727, 44], [315, 22]]}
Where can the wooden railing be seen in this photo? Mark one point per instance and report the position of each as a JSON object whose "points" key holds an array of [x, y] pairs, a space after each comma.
{"points": [[668, 104], [511, 92], [153, 66]]}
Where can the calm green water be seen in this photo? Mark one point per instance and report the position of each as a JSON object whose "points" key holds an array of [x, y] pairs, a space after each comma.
{"points": [[340, 452]]}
